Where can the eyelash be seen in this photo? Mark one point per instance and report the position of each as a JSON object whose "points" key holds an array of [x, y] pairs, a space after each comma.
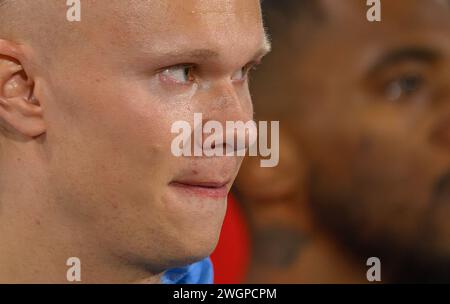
{"points": [[167, 78], [163, 73], [248, 68]]}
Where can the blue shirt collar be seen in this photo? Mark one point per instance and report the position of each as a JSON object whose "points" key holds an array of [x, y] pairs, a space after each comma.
{"points": [[197, 273]]}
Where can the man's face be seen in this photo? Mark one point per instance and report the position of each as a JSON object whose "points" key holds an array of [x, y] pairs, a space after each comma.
{"points": [[111, 91], [375, 124]]}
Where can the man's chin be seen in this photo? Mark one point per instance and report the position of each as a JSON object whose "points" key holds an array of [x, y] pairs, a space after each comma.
{"points": [[191, 252], [195, 218], [193, 224]]}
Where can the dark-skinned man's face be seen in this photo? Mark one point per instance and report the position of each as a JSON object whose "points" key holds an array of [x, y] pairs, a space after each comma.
{"points": [[372, 110]]}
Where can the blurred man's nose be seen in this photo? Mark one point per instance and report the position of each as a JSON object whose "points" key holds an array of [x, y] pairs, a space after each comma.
{"points": [[441, 130], [441, 135]]}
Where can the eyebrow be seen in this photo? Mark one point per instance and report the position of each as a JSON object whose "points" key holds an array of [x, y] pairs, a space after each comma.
{"points": [[208, 54], [422, 54], [199, 54]]}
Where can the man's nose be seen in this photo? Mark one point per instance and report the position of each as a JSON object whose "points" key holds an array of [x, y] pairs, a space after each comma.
{"points": [[234, 112]]}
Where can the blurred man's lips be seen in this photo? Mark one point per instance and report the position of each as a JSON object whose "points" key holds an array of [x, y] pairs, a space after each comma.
{"points": [[211, 189]]}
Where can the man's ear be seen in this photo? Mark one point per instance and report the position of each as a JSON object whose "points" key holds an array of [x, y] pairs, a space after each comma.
{"points": [[20, 111]]}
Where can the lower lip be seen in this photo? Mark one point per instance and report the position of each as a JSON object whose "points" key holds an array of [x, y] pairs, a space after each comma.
{"points": [[205, 192]]}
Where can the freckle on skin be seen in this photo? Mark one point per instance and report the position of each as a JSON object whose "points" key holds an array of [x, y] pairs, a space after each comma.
{"points": [[195, 172], [38, 222]]}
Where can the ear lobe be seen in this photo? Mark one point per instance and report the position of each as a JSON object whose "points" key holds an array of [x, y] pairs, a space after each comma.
{"points": [[19, 109], [23, 117]]}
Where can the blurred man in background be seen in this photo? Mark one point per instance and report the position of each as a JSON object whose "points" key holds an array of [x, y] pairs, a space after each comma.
{"points": [[365, 160]]}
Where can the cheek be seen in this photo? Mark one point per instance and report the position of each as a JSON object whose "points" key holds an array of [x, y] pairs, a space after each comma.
{"points": [[394, 174], [110, 148], [367, 154], [247, 102]]}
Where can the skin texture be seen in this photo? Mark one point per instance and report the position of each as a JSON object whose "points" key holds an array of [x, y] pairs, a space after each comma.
{"points": [[86, 112], [373, 140]]}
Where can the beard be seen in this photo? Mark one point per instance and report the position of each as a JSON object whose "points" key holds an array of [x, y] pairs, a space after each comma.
{"points": [[409, 233]]}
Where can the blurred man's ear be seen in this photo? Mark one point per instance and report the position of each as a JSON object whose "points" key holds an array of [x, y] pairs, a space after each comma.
{"points": [[20, 111]]}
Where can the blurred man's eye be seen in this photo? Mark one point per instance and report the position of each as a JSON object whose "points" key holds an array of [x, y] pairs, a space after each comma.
{"points": [[181, 74], [405, 86], [406, 75]]}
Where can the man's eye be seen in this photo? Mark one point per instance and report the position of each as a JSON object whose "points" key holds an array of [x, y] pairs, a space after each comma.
{"points": [[243, 73], [404, 87], [182, 74]]}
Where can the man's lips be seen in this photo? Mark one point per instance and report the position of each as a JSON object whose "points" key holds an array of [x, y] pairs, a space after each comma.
{"points": [[211, 189]]}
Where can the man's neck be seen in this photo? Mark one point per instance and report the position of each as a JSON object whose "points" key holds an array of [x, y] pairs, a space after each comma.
{"points": [[36, 244], [315, 259], [323, 261]]}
